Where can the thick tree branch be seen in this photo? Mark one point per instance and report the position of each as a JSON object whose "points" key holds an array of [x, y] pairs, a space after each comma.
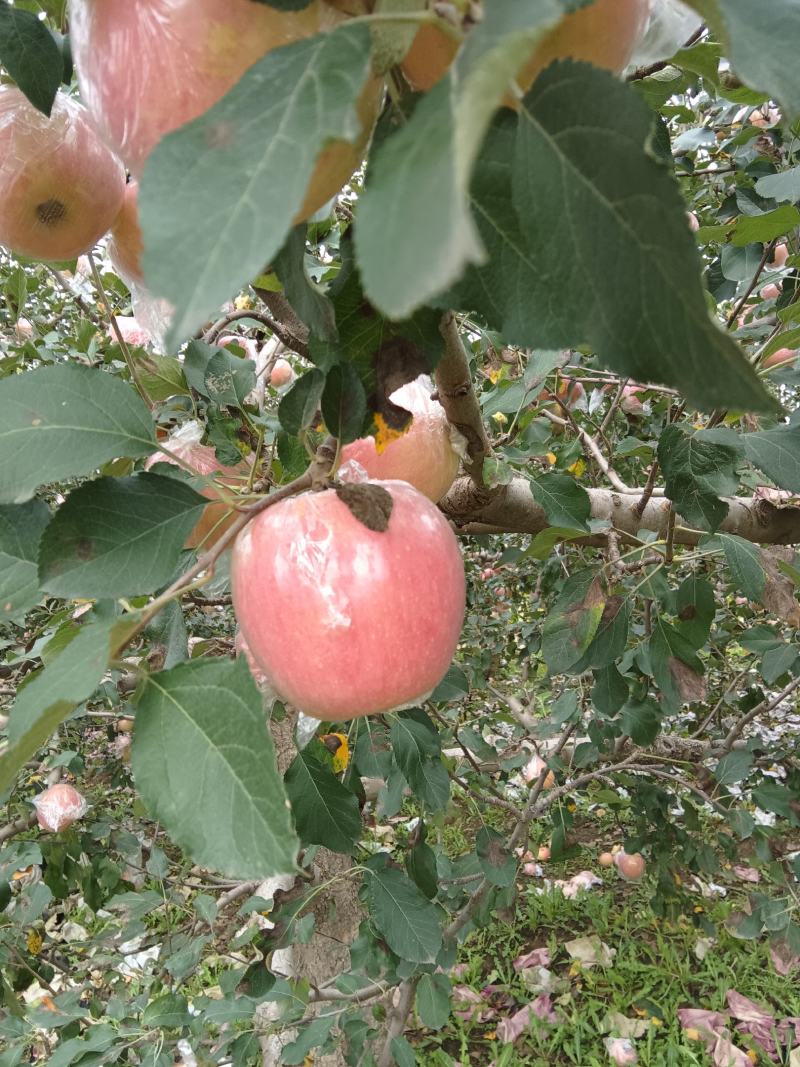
{"points": [[512, 509], [457, 397]]}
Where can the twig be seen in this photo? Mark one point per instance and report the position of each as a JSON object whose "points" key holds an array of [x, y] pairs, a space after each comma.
{"points": [[126, 352], [244, 889], [765, 706], [769, 251], [84, 307], [516, 708], [260, 316], [609, 415], [457, 396], [396, 1019], [591, 448], [492, 798], [650, 485]]}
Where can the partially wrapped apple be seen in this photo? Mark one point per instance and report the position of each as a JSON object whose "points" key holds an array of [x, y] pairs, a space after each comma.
{"points": [[58, 807]]}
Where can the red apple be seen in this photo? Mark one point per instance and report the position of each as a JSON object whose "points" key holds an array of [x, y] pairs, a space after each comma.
{"points": [[126, 245], [424, 456], [247, 344], [346, 621], [631, 866], [532, 770], [243, 649], [60, 186], [631, 403], [217, 517], [282, 374], [543, 854], [147, 67], [770, 292], [605, 859], [771, 118], [58, 807], [604, 33]]}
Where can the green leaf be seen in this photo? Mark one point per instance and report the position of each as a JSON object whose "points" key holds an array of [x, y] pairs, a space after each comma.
{"points": [[771, 796], [777, 661], [745, 565], [785, 185], [609, 643], [565, 503], [421, 867], [498, 865], [204, 764], [298, 408], [228, 379], [312, 1035], [610, 690], [416, 201], [695, 608], [751, 228], [325, 811], [417, 752], [454, 686], [63, 422], [21, 528], [309, 301], [31, 55], [49, 697], [641, 720], [344, 403], [699, 467], [777, 453], [168, 1012], [677, 670], [118, 537], [619, 227], [213, 214], [572, 622], [406, 919], [763, 46], [196, 360], [433, 1000], [403, 1054], [162, 376]]}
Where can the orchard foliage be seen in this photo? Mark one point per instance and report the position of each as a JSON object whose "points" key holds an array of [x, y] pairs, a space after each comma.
{"points": [[621, 384]]}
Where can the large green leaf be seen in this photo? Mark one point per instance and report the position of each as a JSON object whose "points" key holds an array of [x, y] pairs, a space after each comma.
{"points": [[31, 55], [573, 621], [565, 503], [699, 467], [406, 918], [21, 528], [416, 202], [63, 422], [622, 240], [433, 1000], [417, 752], [218, 195], [325, 811], [764, 40], [745, 564], [204, 763], [677, 669], [118, 537], [777, 453], [48, 698]]}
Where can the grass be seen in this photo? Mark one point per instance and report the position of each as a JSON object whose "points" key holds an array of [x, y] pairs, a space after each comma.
{"points": [[655, 971]]}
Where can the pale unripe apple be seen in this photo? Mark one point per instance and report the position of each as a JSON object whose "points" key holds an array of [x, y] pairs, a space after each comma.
{"points": [[533, 769], [58, 807], [631, 403], [148, 67], [247, 344], [779, 257], [217, 517], [24, 329], [126, 245], [424, 456], [770, 292], [60, 186], [694, 222], [605, 859], [631, 866], [783, 357], [772, 118], [281, 374], [604, 33], [346, 621], [132, 332], [125, 726], [543, 855]]}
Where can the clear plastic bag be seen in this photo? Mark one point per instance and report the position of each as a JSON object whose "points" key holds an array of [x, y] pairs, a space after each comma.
{"points": [[426, 456], [60, 186], [59, 806], [670, 26]]}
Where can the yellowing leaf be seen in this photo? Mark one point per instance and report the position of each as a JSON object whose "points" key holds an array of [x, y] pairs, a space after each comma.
{"points": [[386, 433], [551, 458], [577, 468], [243, 303], [34, 942]]}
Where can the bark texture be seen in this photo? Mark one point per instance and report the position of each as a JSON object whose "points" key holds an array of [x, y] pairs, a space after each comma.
{"points": [[512, 509]]}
